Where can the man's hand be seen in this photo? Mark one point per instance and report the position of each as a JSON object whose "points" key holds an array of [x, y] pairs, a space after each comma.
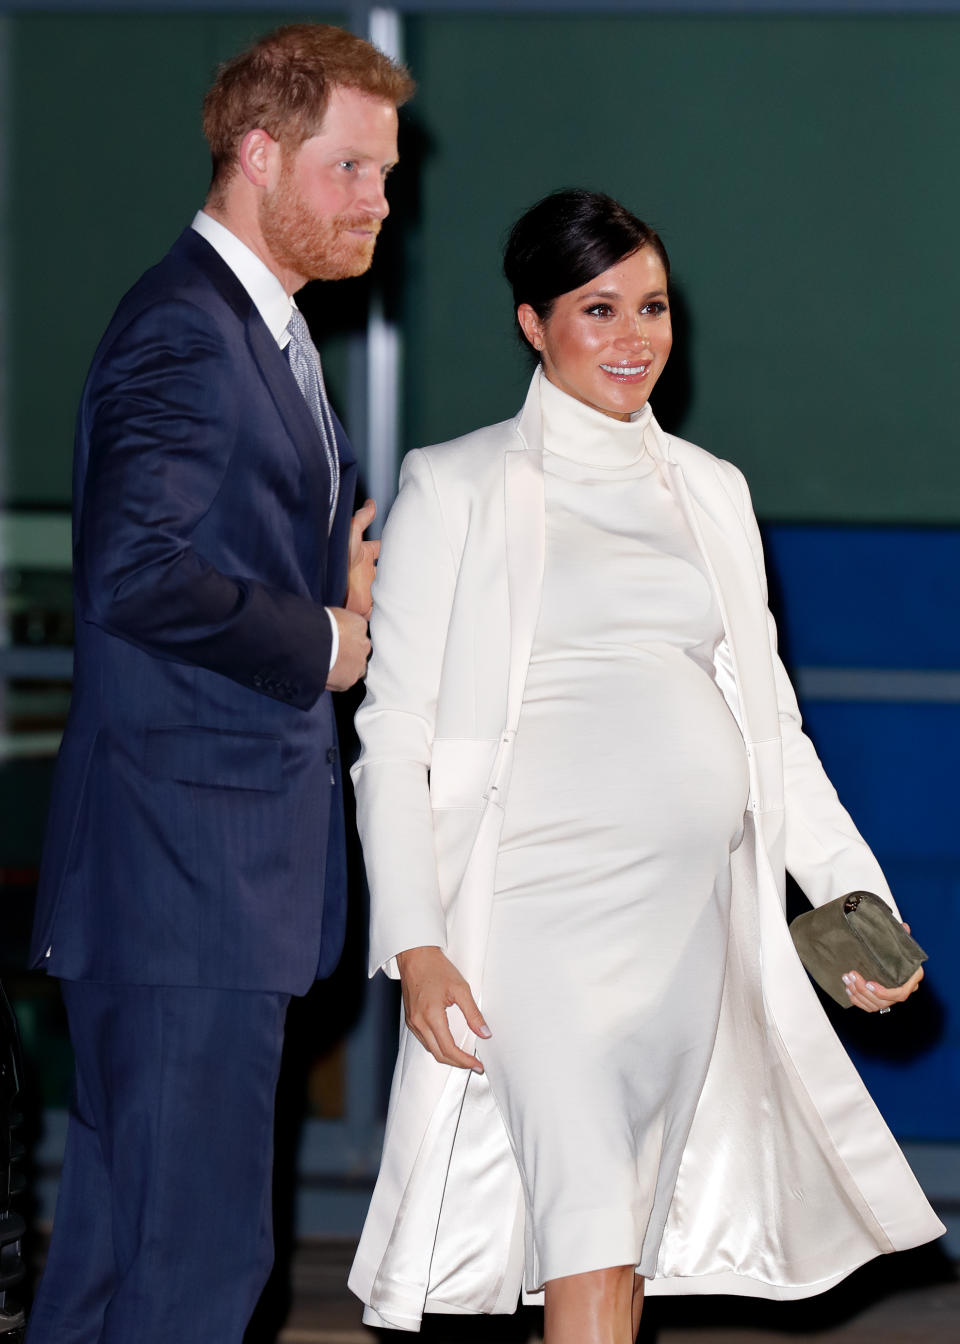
{"points": [[431, 984], [354, 650], [362, 562]]}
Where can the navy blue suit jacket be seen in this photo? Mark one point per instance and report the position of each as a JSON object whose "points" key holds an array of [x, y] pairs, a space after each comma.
{"points": [[194, 835]]}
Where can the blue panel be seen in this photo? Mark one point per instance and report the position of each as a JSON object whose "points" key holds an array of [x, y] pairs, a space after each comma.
{"points": [[894, 766], [890, 598], [912, 1065], [866, 597], [919, 1098]]}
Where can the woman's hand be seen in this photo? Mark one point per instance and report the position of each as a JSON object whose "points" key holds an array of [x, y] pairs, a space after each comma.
{"points": [[431, 984], [874, 998]]}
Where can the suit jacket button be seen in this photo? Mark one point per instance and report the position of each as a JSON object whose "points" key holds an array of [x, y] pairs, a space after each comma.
{"points": [[331, 754]]}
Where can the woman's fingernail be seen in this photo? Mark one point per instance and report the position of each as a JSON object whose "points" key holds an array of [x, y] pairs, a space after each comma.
{"points": [[484, 1032], [847, 979], [871, 986], [849, 992]]}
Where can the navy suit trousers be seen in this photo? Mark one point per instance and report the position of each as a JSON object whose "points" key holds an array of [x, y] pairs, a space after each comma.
{"points": [[164, 1212]]}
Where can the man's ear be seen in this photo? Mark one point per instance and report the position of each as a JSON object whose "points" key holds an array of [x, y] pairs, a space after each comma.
{"points": [[259, 157]]}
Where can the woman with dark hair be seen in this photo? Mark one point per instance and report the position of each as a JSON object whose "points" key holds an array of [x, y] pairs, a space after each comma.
{"points": [[583, 775]]}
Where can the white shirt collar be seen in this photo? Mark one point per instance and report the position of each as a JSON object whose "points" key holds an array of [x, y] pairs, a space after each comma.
{"points": [[272, 301]]}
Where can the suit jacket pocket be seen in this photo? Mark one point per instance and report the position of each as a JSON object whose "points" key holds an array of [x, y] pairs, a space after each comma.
{"points": [[215, 758]]}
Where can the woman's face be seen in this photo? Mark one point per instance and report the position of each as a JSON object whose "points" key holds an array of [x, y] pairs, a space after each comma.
{"points": [[607, 343]]}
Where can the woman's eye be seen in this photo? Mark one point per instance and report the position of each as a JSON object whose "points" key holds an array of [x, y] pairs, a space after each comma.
{"points": [[656, 308], [599, 310]]}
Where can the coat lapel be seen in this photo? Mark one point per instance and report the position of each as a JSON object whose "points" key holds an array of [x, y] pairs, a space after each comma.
{"points": [[525, 539], [723, 543], [717, 527]]}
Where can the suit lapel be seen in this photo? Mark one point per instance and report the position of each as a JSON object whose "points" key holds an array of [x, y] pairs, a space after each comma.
{"points": [[293, 411], [272, 363], [335, 577]]}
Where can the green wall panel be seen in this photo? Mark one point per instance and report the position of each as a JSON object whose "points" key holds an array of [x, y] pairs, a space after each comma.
{"points": [[802, 173], [800, 170], [108, 164]]}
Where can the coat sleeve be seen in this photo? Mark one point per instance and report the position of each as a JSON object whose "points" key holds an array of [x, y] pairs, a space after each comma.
{"points": [[160, 418], [825, 853], [412, 601]]}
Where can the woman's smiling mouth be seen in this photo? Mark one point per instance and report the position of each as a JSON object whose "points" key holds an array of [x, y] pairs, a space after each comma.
{"points": [[624, 371]]}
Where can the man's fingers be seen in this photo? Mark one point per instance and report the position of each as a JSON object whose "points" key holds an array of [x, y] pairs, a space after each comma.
{"points": [[354, 650], [365, 515]]}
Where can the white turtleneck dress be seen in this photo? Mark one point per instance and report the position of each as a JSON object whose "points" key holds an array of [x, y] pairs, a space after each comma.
{"points": [[606, 955]]}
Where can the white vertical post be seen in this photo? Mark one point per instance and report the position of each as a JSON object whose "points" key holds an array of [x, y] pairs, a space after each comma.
{"points": [[384, 353], [374, 409]]}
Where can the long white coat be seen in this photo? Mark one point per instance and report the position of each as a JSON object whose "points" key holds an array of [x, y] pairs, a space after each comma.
{"points": [[790, 1178]]}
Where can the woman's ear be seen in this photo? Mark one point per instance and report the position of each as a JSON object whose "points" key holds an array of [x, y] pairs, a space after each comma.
{"points": [[530, 325]]}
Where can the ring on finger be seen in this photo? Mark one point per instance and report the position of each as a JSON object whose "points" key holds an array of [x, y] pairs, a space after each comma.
{"points": [[884, 1010]]}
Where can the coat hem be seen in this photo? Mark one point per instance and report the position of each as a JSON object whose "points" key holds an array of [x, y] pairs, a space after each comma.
{"points": [[727, 1284]]}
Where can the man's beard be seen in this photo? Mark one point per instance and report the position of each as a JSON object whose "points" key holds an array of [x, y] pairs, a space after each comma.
{"points": [[319, 249]]}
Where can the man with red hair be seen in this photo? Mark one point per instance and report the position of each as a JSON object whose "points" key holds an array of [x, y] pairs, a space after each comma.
{"points": [[193, 875]]}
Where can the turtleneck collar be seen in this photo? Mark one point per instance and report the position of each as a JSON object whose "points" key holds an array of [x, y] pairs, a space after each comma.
{"points": [[573, 430]]}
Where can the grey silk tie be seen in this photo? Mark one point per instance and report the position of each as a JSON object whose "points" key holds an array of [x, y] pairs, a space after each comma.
{"points": [[305, 364]]}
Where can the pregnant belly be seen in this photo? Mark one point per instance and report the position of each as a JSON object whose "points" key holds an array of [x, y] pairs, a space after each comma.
{"points": [[634, 751]]}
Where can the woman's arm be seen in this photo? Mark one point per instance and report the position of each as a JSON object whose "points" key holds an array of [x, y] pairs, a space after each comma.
{"points": [[413, 598], [825, 852]]}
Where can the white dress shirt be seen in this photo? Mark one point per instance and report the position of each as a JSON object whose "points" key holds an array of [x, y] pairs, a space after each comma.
{"points": [[271, 300]]}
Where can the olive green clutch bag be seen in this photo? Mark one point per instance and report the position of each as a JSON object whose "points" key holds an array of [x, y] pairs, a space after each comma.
{"points": [[858, 932]]}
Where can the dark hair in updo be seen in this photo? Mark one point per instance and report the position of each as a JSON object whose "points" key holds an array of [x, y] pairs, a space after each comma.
{"points": [[566, 240]]}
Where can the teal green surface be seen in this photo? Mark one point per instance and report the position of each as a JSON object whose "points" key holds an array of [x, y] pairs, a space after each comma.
{"points": [[801, 170], [803, 175], [107, 165]]}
